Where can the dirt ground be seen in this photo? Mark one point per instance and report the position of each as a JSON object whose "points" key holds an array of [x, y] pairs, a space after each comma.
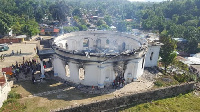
{"points": [[27, 51]]}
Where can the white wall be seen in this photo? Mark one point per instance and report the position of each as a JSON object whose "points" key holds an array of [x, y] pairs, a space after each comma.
{"points": [[59, 67], [74, 72], [97, 74], [134, 69], [76, 42], [4, 90], [92, 72], [153, 62]]}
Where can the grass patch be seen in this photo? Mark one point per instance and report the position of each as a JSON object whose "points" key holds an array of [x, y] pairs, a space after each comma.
{"points": [[187, 103], [12, 104], [165, 81]]}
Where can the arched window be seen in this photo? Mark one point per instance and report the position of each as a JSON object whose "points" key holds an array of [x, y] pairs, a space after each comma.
{"points": [[143, 63], [86, 42], [81, 73], [123, 46], [107, 41], [151, 56], [67, 70], [98, 41], [66, 45], [74, 47]]}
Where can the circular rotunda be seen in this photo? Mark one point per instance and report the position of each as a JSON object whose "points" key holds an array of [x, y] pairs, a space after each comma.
{"points": [[97, 58]]}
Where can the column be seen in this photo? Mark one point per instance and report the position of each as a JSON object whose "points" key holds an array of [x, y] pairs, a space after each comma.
{"points": [[42, 69], [136, 71], [101, 77]]}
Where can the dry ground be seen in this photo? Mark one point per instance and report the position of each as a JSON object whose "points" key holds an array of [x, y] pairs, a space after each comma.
{"points": [[27, 51]]}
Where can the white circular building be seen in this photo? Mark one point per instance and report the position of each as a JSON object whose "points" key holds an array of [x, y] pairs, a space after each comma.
{"points": [[96, 58]]}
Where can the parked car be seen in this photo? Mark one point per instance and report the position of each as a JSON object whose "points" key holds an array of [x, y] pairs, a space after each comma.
{"points": [[3, 47]]}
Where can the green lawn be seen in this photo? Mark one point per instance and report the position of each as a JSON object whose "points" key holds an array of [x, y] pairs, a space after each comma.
{"points": [[183, 103]]}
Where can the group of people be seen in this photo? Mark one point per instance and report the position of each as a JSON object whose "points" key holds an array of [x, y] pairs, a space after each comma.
{"points": [[18, 52], [118, 82], [26, 67]]}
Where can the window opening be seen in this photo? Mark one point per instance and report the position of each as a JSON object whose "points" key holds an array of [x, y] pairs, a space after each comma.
{"points": [[81, 73], [86, 42], [67, 70], [143, 63], [151, 56]]}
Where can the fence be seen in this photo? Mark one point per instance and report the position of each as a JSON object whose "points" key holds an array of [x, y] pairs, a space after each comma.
{"points": [[133, 99]]}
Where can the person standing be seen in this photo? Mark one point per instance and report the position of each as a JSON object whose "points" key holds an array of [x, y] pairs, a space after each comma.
{"points": [[33, 79]]}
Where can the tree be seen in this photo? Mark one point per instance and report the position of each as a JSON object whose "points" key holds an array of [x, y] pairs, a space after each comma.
{"points": [[108, 20], [167, 51], [100, 22], [77, 12], [30, 28], [103, 27], [121, 26], [5, 22], [16, 28]]}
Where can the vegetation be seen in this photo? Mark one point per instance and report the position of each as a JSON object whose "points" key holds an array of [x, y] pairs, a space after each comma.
{"points": [[12, 104], [180, 18], [70, 29], [167, 51], [165, 81], [187, 103]]}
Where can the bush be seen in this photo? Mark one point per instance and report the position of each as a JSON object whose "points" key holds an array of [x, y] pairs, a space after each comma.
{"points": [[181, 78], [165, 81], [185, 77], [13, 95], [158, 83]]}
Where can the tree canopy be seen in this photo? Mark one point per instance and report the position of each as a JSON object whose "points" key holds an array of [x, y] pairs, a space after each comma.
{"points": [[167, 51]]}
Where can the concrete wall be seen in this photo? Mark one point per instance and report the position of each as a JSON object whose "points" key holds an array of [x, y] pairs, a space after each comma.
{"points": [[76, 43], [4, 90], [155, 50], [91, 77], [96, 74], [134, 99], [92, 74], [59, 67], [16, 40]]}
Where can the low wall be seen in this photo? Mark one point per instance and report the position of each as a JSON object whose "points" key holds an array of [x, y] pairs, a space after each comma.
{"points": [[134, 99], [4, 90], [2, 41]]}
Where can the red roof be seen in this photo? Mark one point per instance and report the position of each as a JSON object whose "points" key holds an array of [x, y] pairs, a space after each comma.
{"points": [[2, 81], [56, 30], [42, 30]]}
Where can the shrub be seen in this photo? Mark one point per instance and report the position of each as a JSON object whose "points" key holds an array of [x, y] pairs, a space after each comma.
{"points": [[158, 83], [165, 81], [181, 78], [13, 95], [185, 77]]}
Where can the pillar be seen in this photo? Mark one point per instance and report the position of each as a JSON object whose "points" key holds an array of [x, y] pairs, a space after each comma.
{"points": [[101, 77], [42, 69], [136, 71]]}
